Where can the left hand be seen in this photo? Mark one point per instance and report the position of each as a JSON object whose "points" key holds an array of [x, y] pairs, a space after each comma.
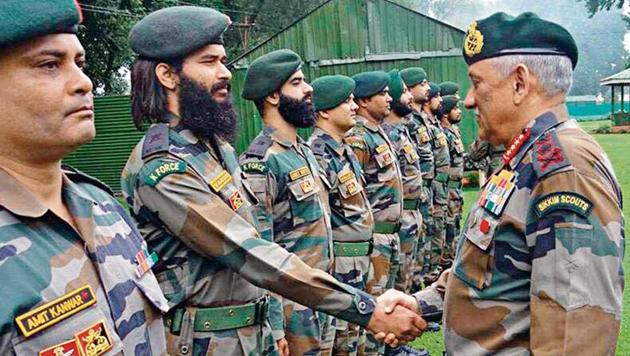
{"points": [[283, 347]]}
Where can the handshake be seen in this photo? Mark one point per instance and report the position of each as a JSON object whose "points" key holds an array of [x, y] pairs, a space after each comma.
{"points": [[396, 319]]}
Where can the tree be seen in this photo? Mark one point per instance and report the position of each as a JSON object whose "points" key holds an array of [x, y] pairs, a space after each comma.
{"points": [[594, 6]]}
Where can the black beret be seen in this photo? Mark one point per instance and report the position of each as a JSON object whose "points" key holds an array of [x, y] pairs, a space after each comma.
{"points": [[176, 32], [448, 88], [331, 90], [370, 83], [396, 84], [501, 34], [413, 76], [268, 73], [23, 20], [434, 90], [449, 102]]}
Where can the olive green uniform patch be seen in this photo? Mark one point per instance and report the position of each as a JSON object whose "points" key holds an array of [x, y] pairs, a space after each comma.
{"points": [[563, 201], [161, 169]]}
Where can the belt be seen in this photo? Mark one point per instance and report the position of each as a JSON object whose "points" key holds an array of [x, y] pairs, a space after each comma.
{"points": [[353, 249], [441, 177], [455, 184], [220, 318], [427, 182], [386, 227], [411, 204]]}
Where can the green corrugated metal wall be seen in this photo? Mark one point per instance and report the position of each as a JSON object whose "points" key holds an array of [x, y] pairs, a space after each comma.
{"points": [[339, 37], [116, 136]]}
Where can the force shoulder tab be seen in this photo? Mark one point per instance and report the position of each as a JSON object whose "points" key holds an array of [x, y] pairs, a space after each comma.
{"points": [[356, 143], [153, 172], [156, 140], [548, 155], [77, 176], [259, 146], [254, 167]]}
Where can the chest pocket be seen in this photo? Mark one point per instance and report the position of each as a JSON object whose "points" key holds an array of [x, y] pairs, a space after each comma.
{"points": [[474, 265], [459, 146], [410, 153], [440, 140], [423, 134], [304, 200], [350, 190], [383, 156]]}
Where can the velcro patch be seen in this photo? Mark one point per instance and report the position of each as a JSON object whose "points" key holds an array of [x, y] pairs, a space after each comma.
{"points": [[236, 200], [163, 170], [55, 311], [220, 181], [95, 340], [68, 347], [563, 201], [254, 167], [299, 173]]}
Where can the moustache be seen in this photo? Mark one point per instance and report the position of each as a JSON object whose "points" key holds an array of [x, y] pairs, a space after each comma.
{"points": [[224, 84]]}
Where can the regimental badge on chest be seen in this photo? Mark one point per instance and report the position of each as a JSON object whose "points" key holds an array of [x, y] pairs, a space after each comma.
{"points": [[441, 139], [348, 185], [410, 153], [383, 156], [497, 192], [423, 134]]}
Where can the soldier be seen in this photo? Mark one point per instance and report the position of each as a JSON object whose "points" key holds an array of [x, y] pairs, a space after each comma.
{"points": [[539, 267], [184, 186], [411, 220], [449, 88], [450, 117], [383, 180], [415, 79], [486, 157], [351, 214], [71, 261]]}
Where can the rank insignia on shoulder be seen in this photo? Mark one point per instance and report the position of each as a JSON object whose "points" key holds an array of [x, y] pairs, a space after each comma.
{"points": [[145, 261], [51, 313], [254, 167], [95, 340], [66, 348], [220, 181], [236, 201], [162, 170], [563, 201], [299, 173]]}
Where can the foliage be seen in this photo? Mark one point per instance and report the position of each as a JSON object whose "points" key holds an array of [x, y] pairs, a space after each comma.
{"points": [[594, 6], [604, 129]]}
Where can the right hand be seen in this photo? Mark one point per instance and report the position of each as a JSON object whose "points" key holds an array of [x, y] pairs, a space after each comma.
{"points": [[283, 347], [401, 322]]}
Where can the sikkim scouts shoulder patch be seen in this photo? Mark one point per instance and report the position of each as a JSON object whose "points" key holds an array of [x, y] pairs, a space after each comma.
{"points": [[563, 201], [159, 169]]}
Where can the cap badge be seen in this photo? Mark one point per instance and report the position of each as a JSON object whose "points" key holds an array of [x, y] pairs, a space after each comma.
{"points": [[473, 43]]}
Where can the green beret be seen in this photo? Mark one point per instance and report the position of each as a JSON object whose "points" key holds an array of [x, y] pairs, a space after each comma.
{"points": [[23, 20], [501, 34], [448, 88], [413, 76], [449, 102], [370, 83], [396, 84], [434, 90], [176, 32], [331, 90], [268, 73]]}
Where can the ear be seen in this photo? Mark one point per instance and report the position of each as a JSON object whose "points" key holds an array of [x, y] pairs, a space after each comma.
{"points": [[362, 102], [273, 99], [167, 77], [521, 83], [323, 114]]}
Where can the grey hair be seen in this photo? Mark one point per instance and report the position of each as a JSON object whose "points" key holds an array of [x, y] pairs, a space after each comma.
{"points": [[555, 73]]}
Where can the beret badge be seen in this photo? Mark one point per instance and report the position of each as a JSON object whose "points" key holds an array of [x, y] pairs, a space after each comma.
{"points": [[473, 43]]}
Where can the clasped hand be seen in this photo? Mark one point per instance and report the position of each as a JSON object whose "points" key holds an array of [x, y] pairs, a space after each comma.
{"points": [[395, 319]]}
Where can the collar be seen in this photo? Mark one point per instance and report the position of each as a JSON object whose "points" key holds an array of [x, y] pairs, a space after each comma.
{"points": [[535, 129], [367, 123], [328, 140], [277, 137]]}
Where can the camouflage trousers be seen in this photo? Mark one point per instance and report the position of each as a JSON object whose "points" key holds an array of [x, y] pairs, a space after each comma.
{"points": [[453, 221], [249, 340], [437, 231], [349, 338], [307, 331], [410, 231]]}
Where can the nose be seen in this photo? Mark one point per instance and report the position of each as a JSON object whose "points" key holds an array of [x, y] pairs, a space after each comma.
{"points": [[388, 98], [308, 89], [224, 73], [469, 100], [353, 106], [81, 83]]}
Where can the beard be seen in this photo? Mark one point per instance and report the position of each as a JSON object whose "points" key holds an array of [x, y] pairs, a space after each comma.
{"points": [[437, 112], [202, 114], [297, 112], [401, 109]]}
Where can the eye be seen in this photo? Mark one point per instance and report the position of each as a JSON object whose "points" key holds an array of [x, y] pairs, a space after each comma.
{"points": [[82, 64], [49, 65]]}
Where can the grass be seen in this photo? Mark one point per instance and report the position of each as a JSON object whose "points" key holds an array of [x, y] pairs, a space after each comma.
{"points": [[617, 147], [590, 126]]}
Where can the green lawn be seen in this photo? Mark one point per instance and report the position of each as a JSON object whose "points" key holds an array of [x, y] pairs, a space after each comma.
{"points": [[618, 149], [590, 126]]}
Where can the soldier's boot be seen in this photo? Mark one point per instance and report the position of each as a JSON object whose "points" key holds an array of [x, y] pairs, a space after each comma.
{"points": [[405, 350]]}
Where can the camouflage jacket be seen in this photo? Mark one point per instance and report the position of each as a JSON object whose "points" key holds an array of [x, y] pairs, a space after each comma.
{"points": [[539, 265], [408, 159], [456, 151], [482, 154], [71, 290], [351, 214], [378, 160], [421, 135], [439, 144]]}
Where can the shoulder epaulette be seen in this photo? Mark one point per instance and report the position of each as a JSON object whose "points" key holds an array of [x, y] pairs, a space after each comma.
{"points": [[156, 140], [548, 155], [318, 147], [77, 176], [259, 146]]}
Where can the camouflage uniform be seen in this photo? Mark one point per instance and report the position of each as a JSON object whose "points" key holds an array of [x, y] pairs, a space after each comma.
{"points": [[91, 268], [352, 224], [455, 194], [194, 210], [384, 190], [411, 220], [539, 265], [293, 210], [487, 158]]}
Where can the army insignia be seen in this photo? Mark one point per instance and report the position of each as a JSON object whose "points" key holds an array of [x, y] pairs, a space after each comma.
{"points": [[66, 348], [382, 148], [424, 135], [357, 145], [441, 138], [55, 311], [497, 192], [473, 43], [345, 176], [220, 181], [307, 186], [548, 155], [95, 340], [563, 201], [299, 173], [254, 167], [352, 188], [145, 261], [516, 145], [236, 201], [163, 170]]}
